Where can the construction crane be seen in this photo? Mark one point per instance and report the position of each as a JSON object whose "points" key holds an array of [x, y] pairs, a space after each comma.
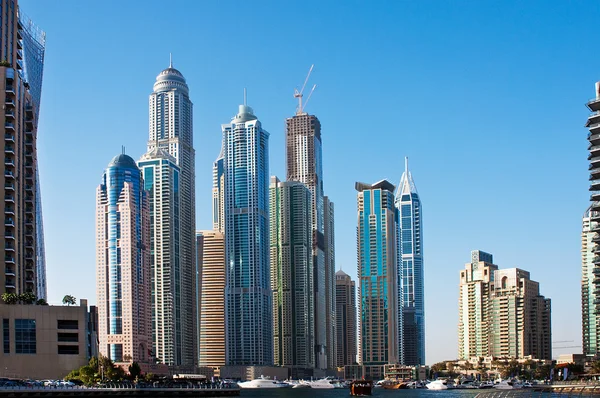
{"points": [[299, 95]]}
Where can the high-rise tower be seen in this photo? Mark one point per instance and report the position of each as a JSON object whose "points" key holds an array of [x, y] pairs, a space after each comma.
{"points": [[171, 129], [22, 47], [592, 258], [330, 281], [377, 275], [162, 185], [292, 276], [345, 318], [248, 311], [410, 271], [589, 315], [122, 263]]}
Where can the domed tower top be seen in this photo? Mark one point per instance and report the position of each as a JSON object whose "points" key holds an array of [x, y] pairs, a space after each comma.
{"points": [[123, 161], [170, 79]]}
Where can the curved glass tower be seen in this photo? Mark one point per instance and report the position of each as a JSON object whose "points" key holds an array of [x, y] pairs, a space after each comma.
{"points": [[248, 311], [410, 271], [122, 263], [171, 130]]}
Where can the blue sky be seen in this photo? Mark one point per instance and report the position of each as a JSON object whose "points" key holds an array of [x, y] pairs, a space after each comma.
{"points": [[485, 98]]}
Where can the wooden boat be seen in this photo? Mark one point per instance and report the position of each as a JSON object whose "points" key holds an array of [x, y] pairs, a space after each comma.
{"points": [[394, 385], [361, 388]]}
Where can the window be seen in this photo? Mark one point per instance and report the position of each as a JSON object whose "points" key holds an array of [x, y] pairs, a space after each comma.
{"points": [[25, 342], [67, 324], [6, 332], [68, 350], [68, 337]]}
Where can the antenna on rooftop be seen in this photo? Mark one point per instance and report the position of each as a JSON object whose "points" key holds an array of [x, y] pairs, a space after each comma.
{"points": [[170, 60], [245, 97], [299, 95], [123, 149]]}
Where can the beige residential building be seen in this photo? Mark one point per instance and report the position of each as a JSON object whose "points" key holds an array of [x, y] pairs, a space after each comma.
{"points": [[345, 317], [474, 321], [43, 342], [210, 246]]}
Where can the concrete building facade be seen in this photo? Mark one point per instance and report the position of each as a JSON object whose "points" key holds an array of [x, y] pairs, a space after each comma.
{"points": [[43, 342], [345, 317], [122, 263], [210, 247]]}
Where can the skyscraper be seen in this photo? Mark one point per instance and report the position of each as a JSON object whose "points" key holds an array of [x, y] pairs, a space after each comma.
{"points": [[162, 185], [248, 310], [521, 317], [22, 53], [292, 276], [377, 275], [474, 306], [330, 281], [304, 164], [211, 282], [171, 129], [219, 192], [410, 270], [592, 260], [122, 263], [345, 318], [589, 316]]}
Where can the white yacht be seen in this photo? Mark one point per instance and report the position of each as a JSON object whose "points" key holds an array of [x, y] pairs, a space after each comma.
{"points": [[321, 384], [437, 385], [264, 382], [507, 385]]}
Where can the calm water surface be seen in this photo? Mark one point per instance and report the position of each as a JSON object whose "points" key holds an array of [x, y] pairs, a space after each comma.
{"points": [[377, 392]]}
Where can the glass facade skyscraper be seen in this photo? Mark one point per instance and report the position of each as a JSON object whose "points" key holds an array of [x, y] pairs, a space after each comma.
{"points": [[122, 263], [377, 275], [589, 292], [162, 185], [292, 276], [22, 47], [171, 130], [410, 271], [248, 307]]}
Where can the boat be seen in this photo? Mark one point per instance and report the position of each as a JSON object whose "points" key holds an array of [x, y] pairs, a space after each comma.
{"points": [[361, 388], [437, 385], [394, 385], [263, 382], [507, 385], [322, 384], [485, 385]]}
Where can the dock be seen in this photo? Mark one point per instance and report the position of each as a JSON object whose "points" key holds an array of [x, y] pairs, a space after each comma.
{"points": [[118, 392]]}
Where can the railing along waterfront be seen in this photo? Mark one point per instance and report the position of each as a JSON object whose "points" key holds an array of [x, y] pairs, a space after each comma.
{"points": [[557, 389]]}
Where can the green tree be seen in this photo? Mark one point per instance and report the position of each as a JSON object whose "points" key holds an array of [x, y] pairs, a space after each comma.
{"points": [[41, 302], [134, 371], [10, 298], [27, 298], [542, 372], [149, 377], [69, 300]]}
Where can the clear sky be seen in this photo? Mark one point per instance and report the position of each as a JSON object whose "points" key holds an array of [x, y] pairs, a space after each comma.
{"points": [[485, 98]]}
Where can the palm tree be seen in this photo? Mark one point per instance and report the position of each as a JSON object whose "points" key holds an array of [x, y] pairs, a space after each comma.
{"points": [[10, 298], [69, 300]]}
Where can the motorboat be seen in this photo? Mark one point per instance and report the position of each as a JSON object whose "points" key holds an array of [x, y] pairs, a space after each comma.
{"points": [[361, 388], [264, 382], [322, 384], [298, 383], [507, 385], [437, 385], [485, 385]]}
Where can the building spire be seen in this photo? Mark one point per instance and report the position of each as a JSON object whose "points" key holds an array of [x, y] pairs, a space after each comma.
{"points": [[245, 97], [406, 164], [170, 60]]}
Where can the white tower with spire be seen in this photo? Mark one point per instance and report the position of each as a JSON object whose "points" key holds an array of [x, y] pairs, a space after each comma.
{"points": [[411, 315]]}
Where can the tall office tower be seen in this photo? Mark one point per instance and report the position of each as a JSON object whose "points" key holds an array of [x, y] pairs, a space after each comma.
{"points": [[248, 311], [345, 319], [410, 269], [219, 192], [377, 275], [330, 280], [474, 306], [589, 294], [521, 317], [22, 54], [162, 185], [171, 130], [210, 246], [592, 261], [304, 164], [291, 275], [122, 263]]}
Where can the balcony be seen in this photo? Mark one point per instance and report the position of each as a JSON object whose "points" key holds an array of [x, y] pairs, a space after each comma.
{"points": [[595, 215], [9, 272], [9, 126], [594, 128], [29, 243], [8, 247], [596, 270], [9, 137], [9, 259], [9, 284], [29, 165], [9, 149], [9, 114], [9, 186], [28, 187], [594, 104], [9, 222], [9, 88], [9, 174], [29, 231], [9, 198], [9, 102], [9, 235], [9, 162], [9, 210], [29, 221]]}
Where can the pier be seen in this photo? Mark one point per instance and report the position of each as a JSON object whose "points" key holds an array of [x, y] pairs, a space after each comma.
{"points": [[119, 392]]}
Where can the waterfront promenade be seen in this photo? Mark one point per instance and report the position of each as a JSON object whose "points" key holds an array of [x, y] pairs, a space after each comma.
{"points": [[195, 391]]}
